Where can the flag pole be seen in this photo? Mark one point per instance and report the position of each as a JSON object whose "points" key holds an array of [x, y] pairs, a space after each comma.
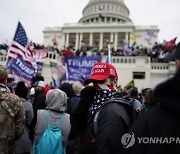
{"points": [[7, 55], [109, 54], [67, 74]]}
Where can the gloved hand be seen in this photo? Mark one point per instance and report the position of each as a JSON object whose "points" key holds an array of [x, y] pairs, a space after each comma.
{"points": [[87, 94], [80, 115], [87, 97]]}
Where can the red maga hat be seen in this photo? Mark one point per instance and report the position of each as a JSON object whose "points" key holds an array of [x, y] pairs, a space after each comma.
{"points": [[101, 71]]}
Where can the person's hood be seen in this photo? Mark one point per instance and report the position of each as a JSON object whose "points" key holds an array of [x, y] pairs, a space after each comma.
{"points": [[67, 88], [57, 100], [168, 94]]}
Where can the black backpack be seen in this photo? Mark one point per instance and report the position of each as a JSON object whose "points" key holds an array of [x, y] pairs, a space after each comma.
{"points": [[133, 105]]}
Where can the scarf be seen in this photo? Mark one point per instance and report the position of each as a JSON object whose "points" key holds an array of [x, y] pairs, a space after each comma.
{"points": [[103, 94]]}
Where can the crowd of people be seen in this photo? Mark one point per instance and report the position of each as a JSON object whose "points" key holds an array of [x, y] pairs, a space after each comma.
{"points": [[157, 53], [92, 117]]}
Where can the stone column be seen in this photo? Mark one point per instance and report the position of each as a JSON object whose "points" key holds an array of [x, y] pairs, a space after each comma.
{"points": [[67, 39], [63, 41], [116, 41], [91, 39], [77, 41], [101, 41], [129, 38], [110, 19], [126, 37], [105, 19], [80, 40], [112, 37]]}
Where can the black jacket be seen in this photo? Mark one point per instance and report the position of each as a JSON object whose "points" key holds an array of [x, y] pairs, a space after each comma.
{"points": [[111, 126], [161, 124], [38, 103]]}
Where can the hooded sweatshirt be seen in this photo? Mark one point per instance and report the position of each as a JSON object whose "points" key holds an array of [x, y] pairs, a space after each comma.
{"points": [[56, 105]]}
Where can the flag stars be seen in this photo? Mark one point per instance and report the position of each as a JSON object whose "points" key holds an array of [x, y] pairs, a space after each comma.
{"points": [[20, 36]]}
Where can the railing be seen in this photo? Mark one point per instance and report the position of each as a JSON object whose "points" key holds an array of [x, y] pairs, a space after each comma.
{"points": [[124, 60], [115, 60], [159, 66], [2, 58], [129, 60], [52, 55]]}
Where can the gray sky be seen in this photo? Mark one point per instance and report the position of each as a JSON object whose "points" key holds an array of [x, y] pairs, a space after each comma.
{"points": [[37, 14]]}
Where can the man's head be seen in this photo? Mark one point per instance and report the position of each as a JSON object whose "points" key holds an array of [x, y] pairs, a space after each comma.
{"points": [[177, 57], [39, 86], [102, 72], [132, 92], [10, 83], [21, 90], [3, 74]]}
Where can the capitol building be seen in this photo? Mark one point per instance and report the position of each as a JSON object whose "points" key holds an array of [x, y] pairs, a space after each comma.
{"points": [[103, 22], [106, 22]]}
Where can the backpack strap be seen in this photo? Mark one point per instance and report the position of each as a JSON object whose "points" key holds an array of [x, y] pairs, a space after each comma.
{"points": [[123, 112], [47, 118], [48, 121], [7, 109], [60, 119]]}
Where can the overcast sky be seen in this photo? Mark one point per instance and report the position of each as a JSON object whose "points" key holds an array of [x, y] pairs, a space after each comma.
{"points": [[37, 14]]}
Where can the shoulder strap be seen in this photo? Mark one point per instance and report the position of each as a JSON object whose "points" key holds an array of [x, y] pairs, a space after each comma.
{"points": [[7, 109], [47, 118], [60, 119], [124, 115], [48, 122]]}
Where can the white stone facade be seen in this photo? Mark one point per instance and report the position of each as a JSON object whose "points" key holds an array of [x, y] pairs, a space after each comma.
{"points": [[103, 22], [154, 73]]}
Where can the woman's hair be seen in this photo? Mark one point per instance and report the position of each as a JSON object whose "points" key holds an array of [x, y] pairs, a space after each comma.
{"points": [[150, 98], [77, 87]]}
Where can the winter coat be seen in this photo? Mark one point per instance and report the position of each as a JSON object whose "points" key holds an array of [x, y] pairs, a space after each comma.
{"points": [[161, 123], [56, 105], [76, 98], [24, 139], [38, 103], [110, 125]]}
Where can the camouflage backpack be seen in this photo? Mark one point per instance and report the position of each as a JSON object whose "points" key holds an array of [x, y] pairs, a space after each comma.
{"points": [[10, 128]]}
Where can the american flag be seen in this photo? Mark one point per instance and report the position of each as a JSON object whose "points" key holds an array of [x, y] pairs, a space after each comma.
{"points": [[54, 40], [101, 12], [109, 58], [19, 47], [57, 68], [53, 67]]}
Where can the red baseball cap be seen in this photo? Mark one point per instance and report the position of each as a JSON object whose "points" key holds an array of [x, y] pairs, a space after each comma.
{"points": [[101, 71]]}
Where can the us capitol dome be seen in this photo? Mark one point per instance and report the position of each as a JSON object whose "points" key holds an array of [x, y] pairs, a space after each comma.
{"points": [[110, 10], [103, 22]]}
